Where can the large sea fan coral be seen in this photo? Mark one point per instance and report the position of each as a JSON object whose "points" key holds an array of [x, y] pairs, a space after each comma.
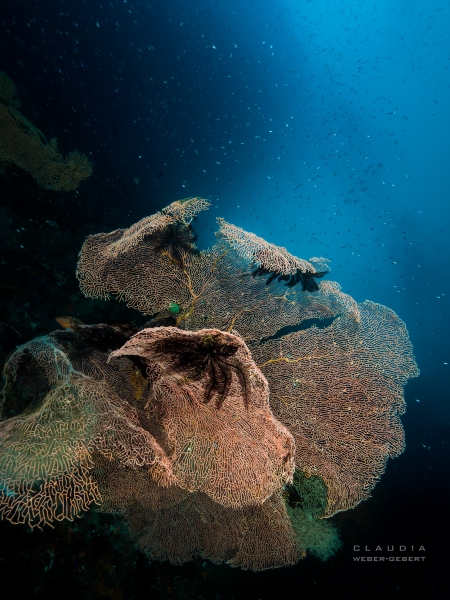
{"points": [[192, 427], [25, 145], [233, 450]]}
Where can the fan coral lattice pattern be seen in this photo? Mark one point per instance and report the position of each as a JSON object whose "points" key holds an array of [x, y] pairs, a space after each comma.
{"points": [[120, 262], [191, 431], [238, 455], [246, 304], [256, 538], [339, 391], [185, 210], [212, 289], [46, 464], [256, 249]]}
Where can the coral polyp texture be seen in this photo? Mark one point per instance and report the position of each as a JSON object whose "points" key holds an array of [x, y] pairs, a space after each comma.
{"points": [[25, 145], [232, 424]]}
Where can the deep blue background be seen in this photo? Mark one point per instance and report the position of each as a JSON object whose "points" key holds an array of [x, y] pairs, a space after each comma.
{"points": [[322, 126]]}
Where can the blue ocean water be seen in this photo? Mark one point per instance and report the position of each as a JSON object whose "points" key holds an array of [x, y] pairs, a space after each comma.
{"points": [[322, 126]]}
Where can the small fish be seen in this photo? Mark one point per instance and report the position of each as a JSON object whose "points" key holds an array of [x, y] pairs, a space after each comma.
{"points": [[68, 322]]}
